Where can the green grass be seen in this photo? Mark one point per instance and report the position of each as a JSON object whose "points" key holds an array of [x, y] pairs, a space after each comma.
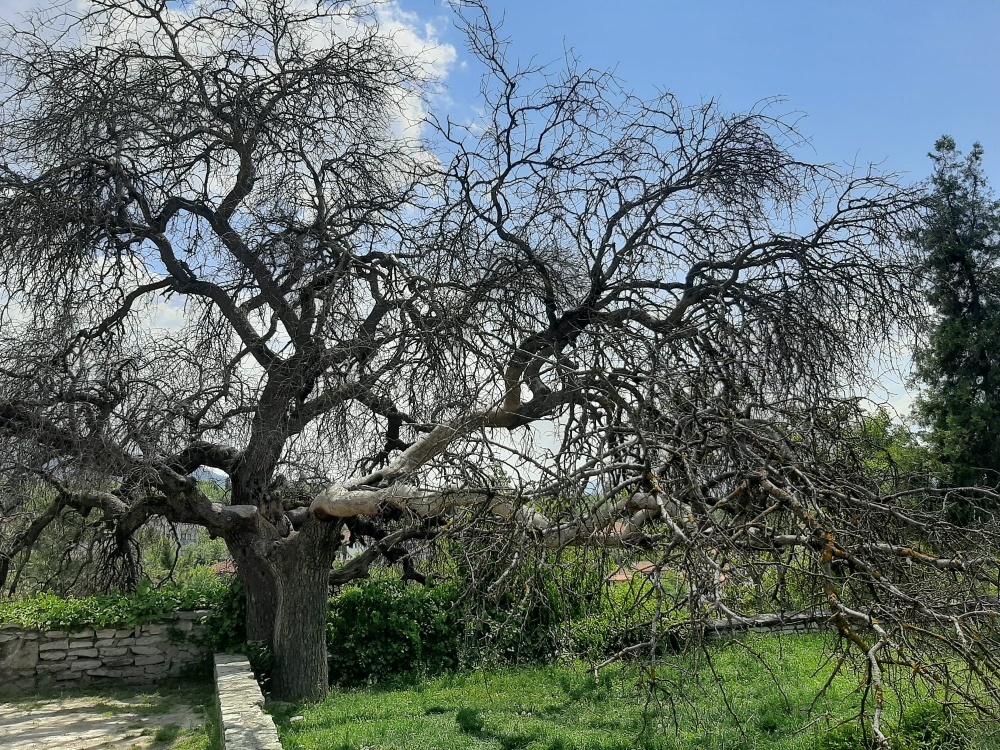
{"points": [[564, 708]]}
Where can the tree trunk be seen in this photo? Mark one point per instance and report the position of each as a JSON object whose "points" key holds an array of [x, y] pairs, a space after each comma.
{"points": [[301, 568], [261, 591]]}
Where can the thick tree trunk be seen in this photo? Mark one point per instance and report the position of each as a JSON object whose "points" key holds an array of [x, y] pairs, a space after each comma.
{"points": [[261, 591], [301, 569]]}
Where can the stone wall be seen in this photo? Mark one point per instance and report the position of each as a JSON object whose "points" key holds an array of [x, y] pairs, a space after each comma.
{"points": [[30, 659], [245, 726]]}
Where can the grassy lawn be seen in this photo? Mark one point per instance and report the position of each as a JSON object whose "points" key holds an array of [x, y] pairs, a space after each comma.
{"points": [[152, 717], [564, 708]]}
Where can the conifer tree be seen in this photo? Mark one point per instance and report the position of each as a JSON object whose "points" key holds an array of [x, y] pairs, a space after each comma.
{"points": [[957, 363]]}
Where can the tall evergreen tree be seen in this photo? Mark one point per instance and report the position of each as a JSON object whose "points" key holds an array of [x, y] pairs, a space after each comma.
{"points": [[958, 360]]}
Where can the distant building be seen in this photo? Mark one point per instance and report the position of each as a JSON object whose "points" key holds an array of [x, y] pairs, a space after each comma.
{"points": [[626, 574], [225, 568], [187, 533]]}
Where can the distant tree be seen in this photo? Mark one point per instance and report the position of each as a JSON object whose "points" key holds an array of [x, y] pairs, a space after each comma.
{"points": [[957, 362], [894, 452]]}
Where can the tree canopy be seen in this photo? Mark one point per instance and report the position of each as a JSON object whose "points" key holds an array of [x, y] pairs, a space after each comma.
{"points": [[958, 360], [584, 320]]}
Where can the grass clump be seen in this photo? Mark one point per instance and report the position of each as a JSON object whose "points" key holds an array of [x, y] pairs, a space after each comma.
{"points": [[167, 733], [926, 725], [468, 720]]}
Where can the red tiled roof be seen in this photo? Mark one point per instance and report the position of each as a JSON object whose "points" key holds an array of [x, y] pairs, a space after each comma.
{"points": [[225, 568], [622, 575]]}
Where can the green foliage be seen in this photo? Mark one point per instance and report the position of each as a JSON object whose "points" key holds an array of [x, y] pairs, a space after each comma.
{"points": [[261, 660], [892, 452], [380, 629], [167, 733], [932, 726], [521, 627], [848, 736], [958, 363], [187, 567], [526, 620], [50, 612], [55, 565], [226, 625], [622, 611]]}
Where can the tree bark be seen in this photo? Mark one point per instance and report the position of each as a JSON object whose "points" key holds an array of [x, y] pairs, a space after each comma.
{"points": [[261, 591], [301, 568]]}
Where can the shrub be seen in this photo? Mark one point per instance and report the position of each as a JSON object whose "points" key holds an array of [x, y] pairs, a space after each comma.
{"points": [[380, 629], [528, 623], [932, 726], [622, 611], [226, 625], [50, 612]]}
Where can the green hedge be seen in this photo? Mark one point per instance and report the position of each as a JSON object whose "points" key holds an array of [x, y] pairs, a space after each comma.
{"points": [[50, 612], [378, 629], [385, 628]]}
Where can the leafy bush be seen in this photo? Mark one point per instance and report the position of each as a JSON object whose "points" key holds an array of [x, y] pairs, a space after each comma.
{"points": [[384, 628], [189, 566], [622, 611], [50, 612], [226, 625], [528, 622]]}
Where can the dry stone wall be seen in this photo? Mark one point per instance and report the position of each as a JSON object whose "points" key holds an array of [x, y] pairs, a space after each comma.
{"points": [[245, 726], [31, 659]]}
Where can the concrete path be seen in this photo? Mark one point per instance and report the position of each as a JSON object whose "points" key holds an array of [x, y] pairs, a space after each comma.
{"points": [[88, 723]]}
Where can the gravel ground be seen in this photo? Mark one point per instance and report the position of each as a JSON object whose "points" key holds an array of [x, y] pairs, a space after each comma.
{"points": [[93, 723]]}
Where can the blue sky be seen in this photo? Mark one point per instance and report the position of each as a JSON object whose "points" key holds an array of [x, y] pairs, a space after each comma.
{"points": [[879, 80]]}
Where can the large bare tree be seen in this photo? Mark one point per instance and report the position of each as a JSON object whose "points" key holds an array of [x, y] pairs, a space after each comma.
{"points": [[583, 319]]}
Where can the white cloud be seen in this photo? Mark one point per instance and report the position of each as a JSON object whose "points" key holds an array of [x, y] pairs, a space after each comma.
{"points": [[887, 387], [436, 58]]}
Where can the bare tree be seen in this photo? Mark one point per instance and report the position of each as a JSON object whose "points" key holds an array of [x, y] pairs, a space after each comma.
{"points": [[586, 319]]}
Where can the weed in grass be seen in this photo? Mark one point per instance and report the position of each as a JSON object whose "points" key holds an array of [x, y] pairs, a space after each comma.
{"points": [[846, 737], [931, 726], [773, 716], [578, 690], [516, 741], [168, 733], [434, 710]]}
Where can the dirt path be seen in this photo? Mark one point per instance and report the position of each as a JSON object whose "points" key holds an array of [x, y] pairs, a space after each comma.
{"points": [[92, 723]]}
